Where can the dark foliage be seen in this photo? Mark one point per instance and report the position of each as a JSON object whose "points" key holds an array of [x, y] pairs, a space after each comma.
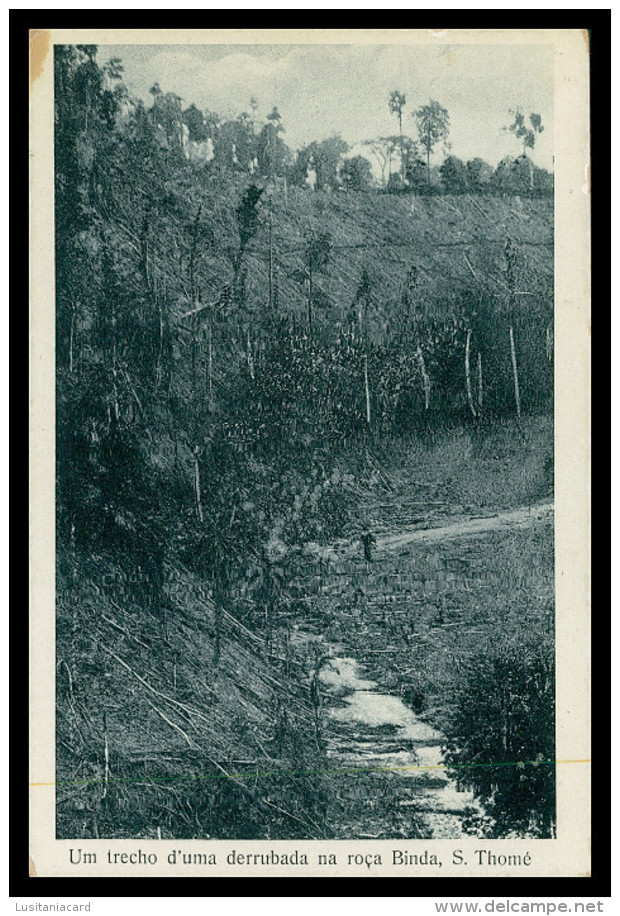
{"points": [[502, 741]]}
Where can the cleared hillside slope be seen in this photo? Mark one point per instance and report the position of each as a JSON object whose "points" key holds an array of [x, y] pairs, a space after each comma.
{"points": [[454, 245]]}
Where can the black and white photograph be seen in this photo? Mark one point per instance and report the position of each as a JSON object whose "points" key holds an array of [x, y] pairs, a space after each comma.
{"points": [[304, 426]]}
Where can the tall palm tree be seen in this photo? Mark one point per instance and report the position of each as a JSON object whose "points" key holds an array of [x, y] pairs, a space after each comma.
{"points": [[397, 102]]}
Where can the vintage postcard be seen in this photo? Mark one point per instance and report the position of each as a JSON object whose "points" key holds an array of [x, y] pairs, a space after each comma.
{"points": [[310, 453]]}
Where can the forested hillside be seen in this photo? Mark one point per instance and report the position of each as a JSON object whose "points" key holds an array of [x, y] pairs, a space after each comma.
{"points": [[239, 357]]}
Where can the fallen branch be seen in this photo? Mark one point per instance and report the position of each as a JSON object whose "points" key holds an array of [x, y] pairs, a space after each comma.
{"points": [[291, 815], [186, 709], [196, 311], [267, 755], [263, 801], [241, 626], [122, 629], [391, 649], [473, 273], [177, 728], [138, 402]]}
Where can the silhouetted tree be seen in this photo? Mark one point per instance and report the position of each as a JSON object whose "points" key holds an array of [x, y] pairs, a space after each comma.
{"points": [[196, 124], [433, 123], [272, 151], [382, 149], [525, 135], [396, 103], [454, 176], [356, 174], [480, 175]]}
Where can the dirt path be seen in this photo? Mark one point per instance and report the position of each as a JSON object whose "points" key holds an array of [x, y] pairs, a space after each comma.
{"points": [[509, 519], [523, 517]]}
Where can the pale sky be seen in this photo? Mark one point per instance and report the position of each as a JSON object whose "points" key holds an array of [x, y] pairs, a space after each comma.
{"points": [[325, 89]]}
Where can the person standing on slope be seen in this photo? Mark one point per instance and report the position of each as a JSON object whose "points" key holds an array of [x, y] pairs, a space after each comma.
{"points": [[368, 541]]}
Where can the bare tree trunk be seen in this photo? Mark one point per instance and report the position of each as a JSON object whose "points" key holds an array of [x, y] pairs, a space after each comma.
{"points": [[219, 599], [549, 342], [72, 334], [425, 378], [367, 391], [250, 357], [106, 757], [217, 651], [210, 368], [479, 384], [71, 347], [310, 299], [194, 353], [470, 398], [197, 491], [515, 373], [270, 263], [117, 412], [160, 353]]}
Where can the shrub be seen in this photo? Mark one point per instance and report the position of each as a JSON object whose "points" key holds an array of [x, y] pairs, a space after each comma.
{"points": [[502, 743]]}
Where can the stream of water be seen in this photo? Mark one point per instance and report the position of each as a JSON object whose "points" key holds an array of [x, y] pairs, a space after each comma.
{"points": [[377, 733]]}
